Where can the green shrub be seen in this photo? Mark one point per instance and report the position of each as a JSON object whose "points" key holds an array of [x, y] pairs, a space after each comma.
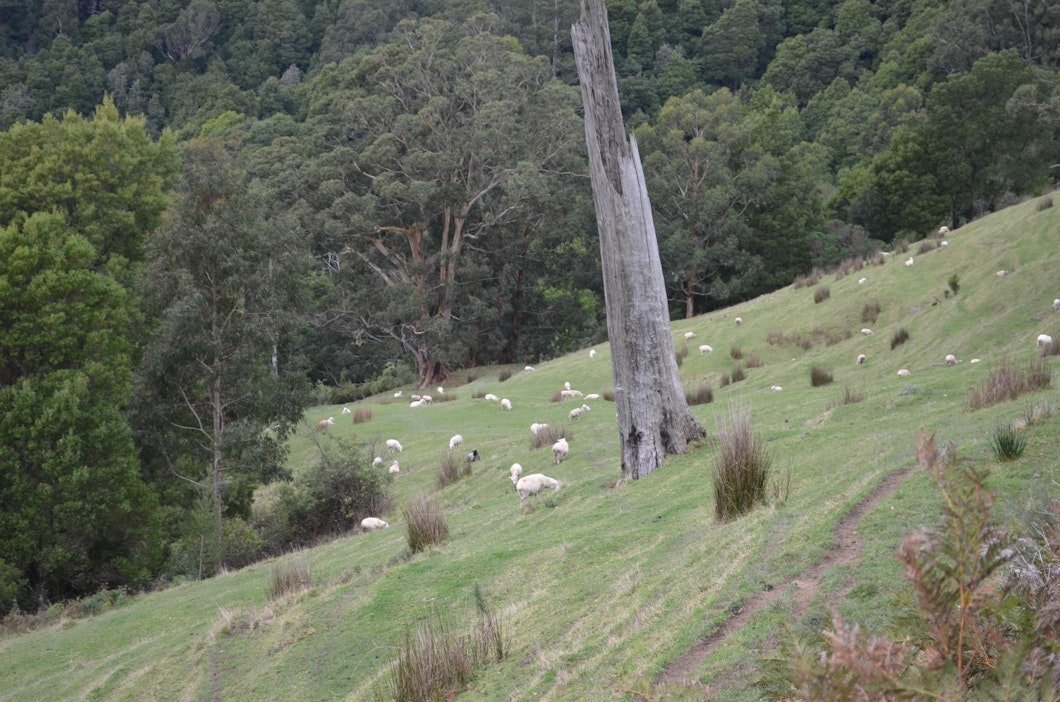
{"points": [[425, 523], [1008, 443], [742, 466]]}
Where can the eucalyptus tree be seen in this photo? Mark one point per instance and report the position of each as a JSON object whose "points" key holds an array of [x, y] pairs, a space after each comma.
{"points": [[422, 138], [216, 395]]}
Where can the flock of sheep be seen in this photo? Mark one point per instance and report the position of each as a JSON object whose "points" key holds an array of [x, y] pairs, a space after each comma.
{"points": [[533, 484]]}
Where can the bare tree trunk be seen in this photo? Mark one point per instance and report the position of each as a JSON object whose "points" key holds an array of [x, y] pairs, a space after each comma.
{"points": [[653, 416]]}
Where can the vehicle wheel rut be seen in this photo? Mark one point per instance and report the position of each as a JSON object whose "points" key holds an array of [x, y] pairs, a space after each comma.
{"points": [[801, 590]]}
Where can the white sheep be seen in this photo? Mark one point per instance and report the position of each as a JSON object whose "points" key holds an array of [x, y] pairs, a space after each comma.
{"points": [[909, 261], [325, 424], [861, 359], [943, 244], [705, 349], [346, 410], [528, 369], [537, 428], [944, 229], [568, 394], [974, 360], [1045, 340], [592, 353], [415, 397], [377, 461], [398, 394], [516, 471], [690, 335], [455, 441], [394, 445], [776, 388], [426, 399], [506, 404], [491, 397], [593, 396], [417, 403], [1056, 305], [1001, 274], [532, 484], [373, 523], [577, 412], [566, 385], [903, 373], [739, 321], [862, 281], [866, 332], [951, 360], [394, 467], [560, 449], [441, 390]]}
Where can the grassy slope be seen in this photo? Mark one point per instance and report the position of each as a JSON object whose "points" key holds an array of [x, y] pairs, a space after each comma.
{"points": [[600, 588]]}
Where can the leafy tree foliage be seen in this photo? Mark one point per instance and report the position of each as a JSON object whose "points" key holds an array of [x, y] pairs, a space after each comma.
{"points": [[74, 512], [216, 395]]}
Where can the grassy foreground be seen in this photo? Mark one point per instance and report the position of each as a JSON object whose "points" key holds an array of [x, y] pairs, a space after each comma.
{"points": [[600, 588]]}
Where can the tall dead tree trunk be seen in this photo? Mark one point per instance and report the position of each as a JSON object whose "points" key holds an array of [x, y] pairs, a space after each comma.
{"points": [[653, 416]]}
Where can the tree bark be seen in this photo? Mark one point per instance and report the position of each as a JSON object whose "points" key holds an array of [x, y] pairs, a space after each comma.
{"points": [[653, 416]]}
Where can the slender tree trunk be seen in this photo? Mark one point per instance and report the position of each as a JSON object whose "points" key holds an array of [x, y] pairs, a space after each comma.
{"points": [[653, 415], [218, 468]]}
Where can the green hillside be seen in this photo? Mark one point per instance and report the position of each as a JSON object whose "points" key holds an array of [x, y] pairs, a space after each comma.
{"points": [[601, 588]]}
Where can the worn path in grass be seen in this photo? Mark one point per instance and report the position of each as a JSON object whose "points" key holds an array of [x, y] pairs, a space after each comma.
{"points": [[803, 588]]}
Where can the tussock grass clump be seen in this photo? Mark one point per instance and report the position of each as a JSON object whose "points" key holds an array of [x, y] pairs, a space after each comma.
{"points": [[703, 395], [1044, 204], [899, 337], [361, 416], [736, 352], [821, 293], [544, 438], [836, 336], [926, 246], [849, 396], [738, 374], [289, 575], [425, 523], [1008, 381], [775, 338], [819, 376], [724, 380], [680, 355], [1037, 413], [478, 395], [806, 281], [436, 662], [504, 375], [445, 397], [1008, 443], [870, 312], [753, 361], [954, 283], [742, 466], [1052, 349], [452, 468]]}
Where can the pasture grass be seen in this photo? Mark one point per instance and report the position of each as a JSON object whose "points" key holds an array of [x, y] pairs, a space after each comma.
{"points": [[602, 589]]}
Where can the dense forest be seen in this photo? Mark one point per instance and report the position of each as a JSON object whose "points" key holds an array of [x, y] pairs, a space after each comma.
{"points": [[213, 213]]}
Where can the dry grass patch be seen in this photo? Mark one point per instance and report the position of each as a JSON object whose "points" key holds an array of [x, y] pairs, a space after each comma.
{"points": [[899, 337], [289, 575], [847, 397], [703, 395], [819, 376], [1008, 381], [821, 293], [425, 523], [452, 468], [742, 466], [870, 312], [362, 415]]}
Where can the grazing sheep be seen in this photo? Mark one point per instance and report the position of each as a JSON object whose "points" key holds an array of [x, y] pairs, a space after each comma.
{"points": [[903, 373], [441, 390], [346, 410], [491, 397], [455, 441], [415, 397], [398, 393], [537, 428], [1056, 305], [1045, 340], [560, 450], [394, 445], [705, 349], [566, 385], [506, 404], [592, 396], [578, 411], [324, 424], [861, 359], [909, 261], [377, 461], [974, 360], [1001, 274], [776, 388], [394, 467], [533, 484], [944, 229], [943, 244], [472, 457], [739, 321], [866, 332], [417, 403], [426, 399], [528, 369], [568, 394], [516, 471], [690, 335], [951, 360], [373, 523], [862, 281], [592, 353]]}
